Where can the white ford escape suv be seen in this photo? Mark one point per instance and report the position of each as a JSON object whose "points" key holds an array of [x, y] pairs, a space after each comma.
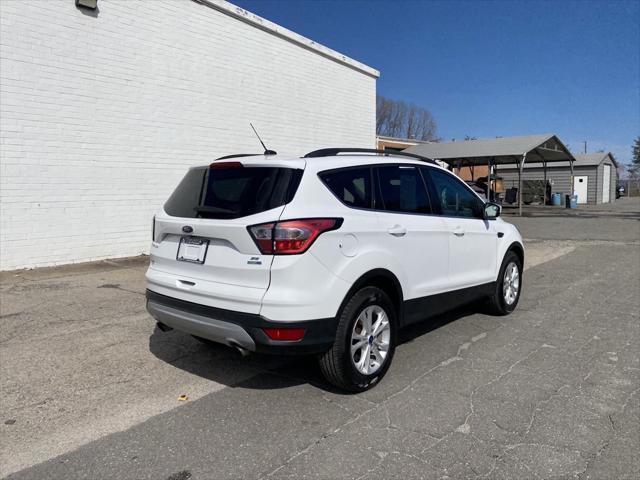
{"points": [[328, 254]]}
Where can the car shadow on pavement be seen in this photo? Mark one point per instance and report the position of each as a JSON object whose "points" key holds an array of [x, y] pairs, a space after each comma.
{"points": [[224, 365], [417, 330], [216, 362]]}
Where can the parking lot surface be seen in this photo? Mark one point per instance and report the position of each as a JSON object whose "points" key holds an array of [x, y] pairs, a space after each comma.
{"points": [[90, 388]]}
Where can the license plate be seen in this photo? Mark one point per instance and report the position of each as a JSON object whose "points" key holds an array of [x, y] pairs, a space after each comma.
{"points": [[192, 249]]}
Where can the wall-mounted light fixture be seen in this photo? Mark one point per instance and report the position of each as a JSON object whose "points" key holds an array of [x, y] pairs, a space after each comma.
{"points": [[90, 4]]}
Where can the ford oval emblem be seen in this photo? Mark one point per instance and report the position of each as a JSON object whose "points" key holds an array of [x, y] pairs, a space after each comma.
{"points": [[187, 229]]}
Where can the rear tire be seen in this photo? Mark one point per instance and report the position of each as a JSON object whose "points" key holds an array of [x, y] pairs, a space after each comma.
{"points": [[365, 342], [506, 296]]}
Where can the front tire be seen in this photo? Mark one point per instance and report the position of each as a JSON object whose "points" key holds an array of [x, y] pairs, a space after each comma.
{"points": [[365, 342], [508, 287]]}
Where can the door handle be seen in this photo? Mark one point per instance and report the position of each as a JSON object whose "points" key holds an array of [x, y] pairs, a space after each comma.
{"points": [[397, 231], [459, 232]]}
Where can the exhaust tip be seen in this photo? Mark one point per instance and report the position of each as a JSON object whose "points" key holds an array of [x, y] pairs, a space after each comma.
{"points": [[243, 351], [163, 328]]}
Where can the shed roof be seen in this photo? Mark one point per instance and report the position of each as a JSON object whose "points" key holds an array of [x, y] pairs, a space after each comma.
{"points": [[587, 159], [582, 160], [502, 150]]}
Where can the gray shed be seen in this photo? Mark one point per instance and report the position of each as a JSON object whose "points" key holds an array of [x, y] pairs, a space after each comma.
{"points": [[594, 177], [518, 151]]}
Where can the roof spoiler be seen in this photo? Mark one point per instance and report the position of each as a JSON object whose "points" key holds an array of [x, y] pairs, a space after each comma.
{"points": [[238, 155], [331, 152]]}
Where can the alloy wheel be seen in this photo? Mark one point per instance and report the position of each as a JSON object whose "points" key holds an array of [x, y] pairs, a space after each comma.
{"points": [[370, 340], [511, 283]]}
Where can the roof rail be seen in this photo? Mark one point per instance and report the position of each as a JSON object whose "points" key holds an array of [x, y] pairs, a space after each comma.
{"points": [[330, 152]]}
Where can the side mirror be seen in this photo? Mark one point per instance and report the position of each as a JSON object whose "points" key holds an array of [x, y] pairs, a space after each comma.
{"points": [[491, 211]]}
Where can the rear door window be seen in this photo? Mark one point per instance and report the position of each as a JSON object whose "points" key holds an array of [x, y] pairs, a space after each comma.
{"points": [[227, 193], [402, 190], [352, 186]]}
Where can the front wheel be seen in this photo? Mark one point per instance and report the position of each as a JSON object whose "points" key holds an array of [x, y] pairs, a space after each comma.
{"points": [[508, 287], [365, 342]]}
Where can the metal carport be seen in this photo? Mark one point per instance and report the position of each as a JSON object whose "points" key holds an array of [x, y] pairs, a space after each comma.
{"points": [[500, 151]]}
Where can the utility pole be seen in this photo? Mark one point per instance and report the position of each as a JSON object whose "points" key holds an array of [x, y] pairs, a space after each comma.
{"points": [[585, 146]]}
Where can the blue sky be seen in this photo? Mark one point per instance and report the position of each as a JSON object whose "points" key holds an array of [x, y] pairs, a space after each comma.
{"points": [[492, 68]]}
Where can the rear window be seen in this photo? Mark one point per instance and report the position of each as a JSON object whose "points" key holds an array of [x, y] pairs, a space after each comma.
{"points": [[226, 193], [352, 186]]}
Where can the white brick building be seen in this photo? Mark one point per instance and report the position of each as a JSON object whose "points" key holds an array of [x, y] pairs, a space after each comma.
{"points": [[101, 113]]}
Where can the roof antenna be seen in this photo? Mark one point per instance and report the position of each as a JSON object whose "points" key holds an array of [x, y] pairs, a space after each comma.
{"points": [[266, 150]]}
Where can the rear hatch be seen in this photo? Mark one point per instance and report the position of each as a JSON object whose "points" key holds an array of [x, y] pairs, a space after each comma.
{"points": [[202, 250]]}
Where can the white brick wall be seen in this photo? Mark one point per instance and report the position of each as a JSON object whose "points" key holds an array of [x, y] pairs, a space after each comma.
{"points": [[101, 115]]}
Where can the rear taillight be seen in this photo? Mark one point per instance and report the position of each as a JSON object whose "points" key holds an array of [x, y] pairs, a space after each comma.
{"points": [[291, 237], [263, 236]]}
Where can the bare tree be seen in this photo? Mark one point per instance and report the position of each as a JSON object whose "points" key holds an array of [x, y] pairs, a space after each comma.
{"points": [[396, 118], [633, 169], [383, 113]]}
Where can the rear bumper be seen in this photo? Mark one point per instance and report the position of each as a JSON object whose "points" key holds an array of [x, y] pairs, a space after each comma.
{"points": [[237, 328]]}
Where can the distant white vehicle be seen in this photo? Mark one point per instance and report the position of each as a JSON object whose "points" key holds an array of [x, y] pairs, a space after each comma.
{"points": [[329, 254]]}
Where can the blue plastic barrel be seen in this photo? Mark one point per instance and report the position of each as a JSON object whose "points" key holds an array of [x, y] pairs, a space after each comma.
{"points": [[571, 201], [556, 199]]}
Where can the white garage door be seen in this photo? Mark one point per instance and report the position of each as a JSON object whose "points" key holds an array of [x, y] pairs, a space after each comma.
{"points": [[606, 184]]}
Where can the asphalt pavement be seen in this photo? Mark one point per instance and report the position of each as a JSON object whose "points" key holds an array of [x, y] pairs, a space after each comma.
{"points": [[90, 388]]}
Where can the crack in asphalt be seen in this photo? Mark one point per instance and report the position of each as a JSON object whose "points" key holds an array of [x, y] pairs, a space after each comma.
{"points": [[592, 457], [537, 409]]}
